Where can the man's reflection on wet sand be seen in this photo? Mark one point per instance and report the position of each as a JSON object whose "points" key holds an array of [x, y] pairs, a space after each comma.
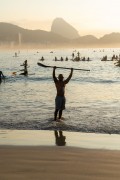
{"points": [[60, 139]]}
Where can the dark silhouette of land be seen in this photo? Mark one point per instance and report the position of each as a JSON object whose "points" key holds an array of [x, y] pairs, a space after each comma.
{"points": [[61, 34], [61, 27]]}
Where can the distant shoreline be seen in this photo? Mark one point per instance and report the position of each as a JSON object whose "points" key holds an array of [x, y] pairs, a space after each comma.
{"points": [[8, 47]]}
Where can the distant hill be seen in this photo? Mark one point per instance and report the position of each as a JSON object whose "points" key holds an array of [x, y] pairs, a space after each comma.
{"points": [[88, 39], [15, 35], [61, 27], [110, 38], [9, 32], [12, 33]]}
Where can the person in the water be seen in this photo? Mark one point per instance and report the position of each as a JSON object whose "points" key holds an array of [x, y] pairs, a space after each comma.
{"points": [[1, 76], [60, 97], [25, 64]]}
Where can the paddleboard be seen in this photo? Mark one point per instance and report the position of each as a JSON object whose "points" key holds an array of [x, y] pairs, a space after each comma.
{"points": [[15, 73]]}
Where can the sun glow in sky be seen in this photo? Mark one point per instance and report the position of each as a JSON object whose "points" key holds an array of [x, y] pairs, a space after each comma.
{"points": [[95, 17]]}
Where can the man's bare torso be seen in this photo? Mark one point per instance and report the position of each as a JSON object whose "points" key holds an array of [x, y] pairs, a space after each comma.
{"points": [[60, 86]]}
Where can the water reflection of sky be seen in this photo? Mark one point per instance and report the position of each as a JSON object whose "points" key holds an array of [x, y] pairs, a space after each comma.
{"points": [[48, 138]]}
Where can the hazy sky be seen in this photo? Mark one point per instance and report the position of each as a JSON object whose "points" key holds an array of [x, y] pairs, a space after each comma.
{"points": [[96, 17]]}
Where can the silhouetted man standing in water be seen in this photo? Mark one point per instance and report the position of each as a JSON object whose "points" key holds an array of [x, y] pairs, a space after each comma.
{"points": [[60, 97]]}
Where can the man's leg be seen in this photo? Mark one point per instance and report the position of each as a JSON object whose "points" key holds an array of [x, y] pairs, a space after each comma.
{"points": [[60, 114], [55, 114]]}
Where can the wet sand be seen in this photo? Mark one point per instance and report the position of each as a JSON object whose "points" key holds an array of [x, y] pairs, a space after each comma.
{"points": [[51, 162]]}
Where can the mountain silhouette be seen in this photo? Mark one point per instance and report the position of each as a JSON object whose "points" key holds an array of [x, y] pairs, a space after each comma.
{"points": [[15, 35], [61, 27], [11, 33], [110, 38]]}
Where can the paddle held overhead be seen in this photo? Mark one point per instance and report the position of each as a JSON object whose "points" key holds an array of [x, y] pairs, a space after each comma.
{"points": [[45, 66]]}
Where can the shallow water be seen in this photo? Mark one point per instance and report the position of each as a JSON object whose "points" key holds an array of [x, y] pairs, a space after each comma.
{"points": [[92, 97]]}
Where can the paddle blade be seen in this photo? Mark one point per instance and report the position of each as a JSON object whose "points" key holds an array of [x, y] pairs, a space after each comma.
{"points": [[40, 64]]}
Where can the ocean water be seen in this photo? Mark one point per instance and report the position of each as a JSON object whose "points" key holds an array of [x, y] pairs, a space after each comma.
{"points": [[92, 97]]}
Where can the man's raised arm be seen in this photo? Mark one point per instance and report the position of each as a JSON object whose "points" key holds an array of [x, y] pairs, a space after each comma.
{"points": [[69, 77], [54, 77]]}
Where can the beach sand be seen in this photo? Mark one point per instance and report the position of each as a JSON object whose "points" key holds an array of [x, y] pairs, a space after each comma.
{"points": [[51, 162]]}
